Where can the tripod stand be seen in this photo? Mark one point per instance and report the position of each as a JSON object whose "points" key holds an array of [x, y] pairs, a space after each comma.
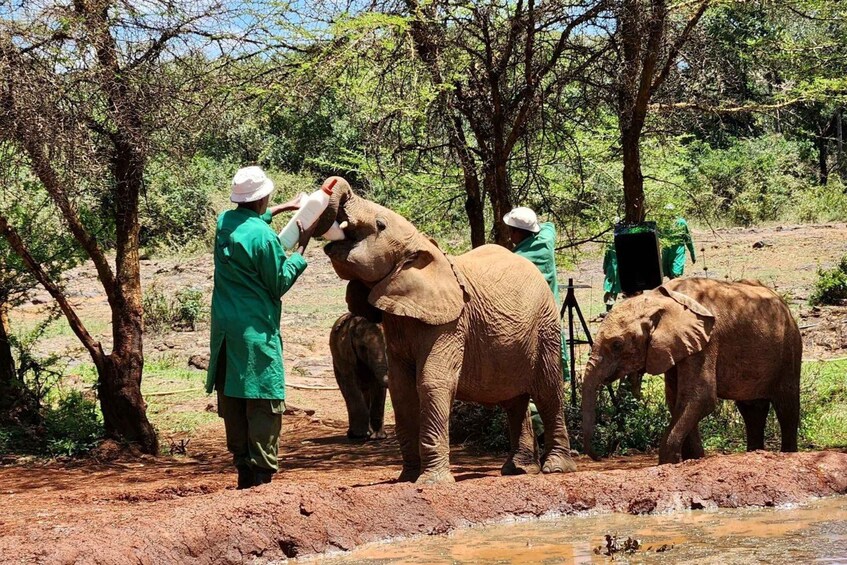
{"points": [[570, 304]]}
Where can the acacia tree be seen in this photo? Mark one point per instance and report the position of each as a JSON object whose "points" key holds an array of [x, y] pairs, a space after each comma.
{"points": [[646, 51], [88, 90]]}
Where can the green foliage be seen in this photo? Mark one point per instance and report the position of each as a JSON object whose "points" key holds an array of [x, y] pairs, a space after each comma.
{"points": [[823, 405], [73, 427], [183, 312], [629, 425], [831, 286], [177, 208], [481, 427]]}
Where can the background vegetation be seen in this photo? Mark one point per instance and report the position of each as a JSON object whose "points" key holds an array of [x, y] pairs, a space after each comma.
{"points": [[121, 128]]}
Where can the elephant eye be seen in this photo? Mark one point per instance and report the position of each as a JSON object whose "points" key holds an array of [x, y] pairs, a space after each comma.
{"points": [[380, 224]]}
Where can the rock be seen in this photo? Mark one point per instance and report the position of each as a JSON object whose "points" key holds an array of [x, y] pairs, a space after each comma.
{"points": [[169, 344], [199, 362], [759, 245]]}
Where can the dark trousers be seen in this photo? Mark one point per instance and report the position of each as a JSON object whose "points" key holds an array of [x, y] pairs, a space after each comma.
{"points": [[252, 425]]}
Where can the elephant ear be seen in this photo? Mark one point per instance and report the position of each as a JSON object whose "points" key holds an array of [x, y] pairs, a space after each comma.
{"points": [[681, 327], [357, 302], [424, 287]]}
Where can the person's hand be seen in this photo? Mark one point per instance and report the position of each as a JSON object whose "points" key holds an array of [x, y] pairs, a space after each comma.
{"points": [[305, 236]]}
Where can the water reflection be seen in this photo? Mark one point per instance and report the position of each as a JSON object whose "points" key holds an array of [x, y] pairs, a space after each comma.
{"points": [[813, 532]]}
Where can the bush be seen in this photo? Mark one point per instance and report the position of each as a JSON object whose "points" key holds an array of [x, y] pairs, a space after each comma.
{"points": [[484, 428], [831, 286], [183, 312], [73, 427]]}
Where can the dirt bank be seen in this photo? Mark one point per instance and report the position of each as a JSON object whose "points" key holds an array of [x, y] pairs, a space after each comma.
{"points": [[288, 519]]}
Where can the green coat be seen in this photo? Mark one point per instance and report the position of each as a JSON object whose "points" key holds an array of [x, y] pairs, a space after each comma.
{"points": [[612, 282], [540, 249], [251, 275], [673, 250]]}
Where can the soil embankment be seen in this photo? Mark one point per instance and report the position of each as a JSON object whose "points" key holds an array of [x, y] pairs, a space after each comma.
{"points": [[284, 519]]}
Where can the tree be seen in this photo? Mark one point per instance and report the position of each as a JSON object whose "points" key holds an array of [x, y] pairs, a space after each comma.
{"points": [[89, 89], [646, 52]]}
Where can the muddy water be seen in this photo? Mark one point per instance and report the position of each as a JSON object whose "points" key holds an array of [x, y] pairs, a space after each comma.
{"points": [[814, 532]]}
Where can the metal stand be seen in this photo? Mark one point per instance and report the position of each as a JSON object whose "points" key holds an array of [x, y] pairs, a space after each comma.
{"points": [[570, 304]]}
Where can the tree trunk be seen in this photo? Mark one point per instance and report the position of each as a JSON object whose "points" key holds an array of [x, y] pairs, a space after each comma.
{"points": [[633, 180], [823, 155], [18, 406], [475, 211], [497, 186], [124, 409], [839, 148]]}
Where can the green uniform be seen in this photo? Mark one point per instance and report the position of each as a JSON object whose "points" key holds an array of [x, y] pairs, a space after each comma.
{"points": [[612, 282], [251, 275], [540, 249], [673, 252]]}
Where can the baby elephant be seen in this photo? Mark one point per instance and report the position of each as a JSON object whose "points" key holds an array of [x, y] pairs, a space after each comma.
{"points": [[361, 369]]}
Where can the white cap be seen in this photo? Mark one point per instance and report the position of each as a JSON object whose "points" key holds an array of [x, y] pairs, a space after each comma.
{"points": [[670, 207], [250, 184], [522, 218]]}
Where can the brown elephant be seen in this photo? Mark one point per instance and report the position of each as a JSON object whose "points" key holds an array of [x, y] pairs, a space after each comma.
{"points": [[711, 339], [481, 327], [361, 370]]}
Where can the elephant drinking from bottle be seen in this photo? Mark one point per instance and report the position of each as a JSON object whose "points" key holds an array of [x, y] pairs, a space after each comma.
{"points": [[481, 327]]}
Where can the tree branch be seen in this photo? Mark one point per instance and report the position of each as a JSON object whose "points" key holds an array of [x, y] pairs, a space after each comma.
{"points": [[680, 41], [16, 243]]}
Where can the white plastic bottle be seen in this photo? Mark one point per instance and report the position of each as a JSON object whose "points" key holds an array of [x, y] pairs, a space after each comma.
{"points": [[309, 212], [334, 233]]}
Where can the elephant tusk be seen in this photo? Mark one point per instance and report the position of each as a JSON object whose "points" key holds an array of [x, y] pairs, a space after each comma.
{"points": [[343, 225]]}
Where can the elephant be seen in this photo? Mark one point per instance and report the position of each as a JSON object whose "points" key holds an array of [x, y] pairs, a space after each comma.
{"points": [[480, 327], [711, 339], [361, 370]]}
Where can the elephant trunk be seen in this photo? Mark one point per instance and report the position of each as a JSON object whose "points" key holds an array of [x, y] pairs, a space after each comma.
{"points": [[591, 386], [341, 192]]}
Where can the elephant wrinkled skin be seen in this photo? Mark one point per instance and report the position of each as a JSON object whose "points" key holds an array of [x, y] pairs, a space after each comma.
{"points": [[711, 339], [361, 371], [481, 327]]}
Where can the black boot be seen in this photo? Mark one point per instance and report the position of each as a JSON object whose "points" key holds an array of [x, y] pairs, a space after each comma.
{"points": [[246, 478], [262, 477]]}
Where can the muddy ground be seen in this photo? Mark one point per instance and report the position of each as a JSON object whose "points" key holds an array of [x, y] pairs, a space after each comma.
{"points": [[335, 495]]}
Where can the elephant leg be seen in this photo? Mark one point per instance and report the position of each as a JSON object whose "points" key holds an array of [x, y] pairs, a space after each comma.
{"points": [[354, 399], [437, 381], [692, 447], [523, 457], [404, 398], [755, 414], [694, 401], [377, 413], [787, 408], [549, 398]]}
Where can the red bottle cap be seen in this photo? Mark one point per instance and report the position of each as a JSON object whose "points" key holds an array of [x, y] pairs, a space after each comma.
{"points": [[328, 188]]}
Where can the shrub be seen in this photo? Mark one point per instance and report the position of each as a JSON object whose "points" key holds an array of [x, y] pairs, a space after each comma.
{"points": [[484, 428], [73, 427], [831, 286], [183, 312]]}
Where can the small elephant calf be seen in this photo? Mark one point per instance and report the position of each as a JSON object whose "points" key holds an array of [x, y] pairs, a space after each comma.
{"points": [[361, 369]]}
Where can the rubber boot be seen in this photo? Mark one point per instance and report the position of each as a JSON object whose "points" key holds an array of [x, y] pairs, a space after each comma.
{"points": [[245, 477], [262, 477]]}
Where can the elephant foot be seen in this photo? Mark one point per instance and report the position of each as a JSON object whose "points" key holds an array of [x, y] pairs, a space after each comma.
{"points": [[379, 434], [513, 467], [669, 458], [434, 477], [559, 464], [409, 475], [357, 437]]}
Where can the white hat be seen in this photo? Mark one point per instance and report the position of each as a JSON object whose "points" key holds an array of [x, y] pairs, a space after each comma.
{"points": [[522, 218], [670, 207], [250, 184]]}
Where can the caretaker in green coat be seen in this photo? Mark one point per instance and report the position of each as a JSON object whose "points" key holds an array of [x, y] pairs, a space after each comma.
{"points": [[674, 242], [252, 273], [537, 243]]}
